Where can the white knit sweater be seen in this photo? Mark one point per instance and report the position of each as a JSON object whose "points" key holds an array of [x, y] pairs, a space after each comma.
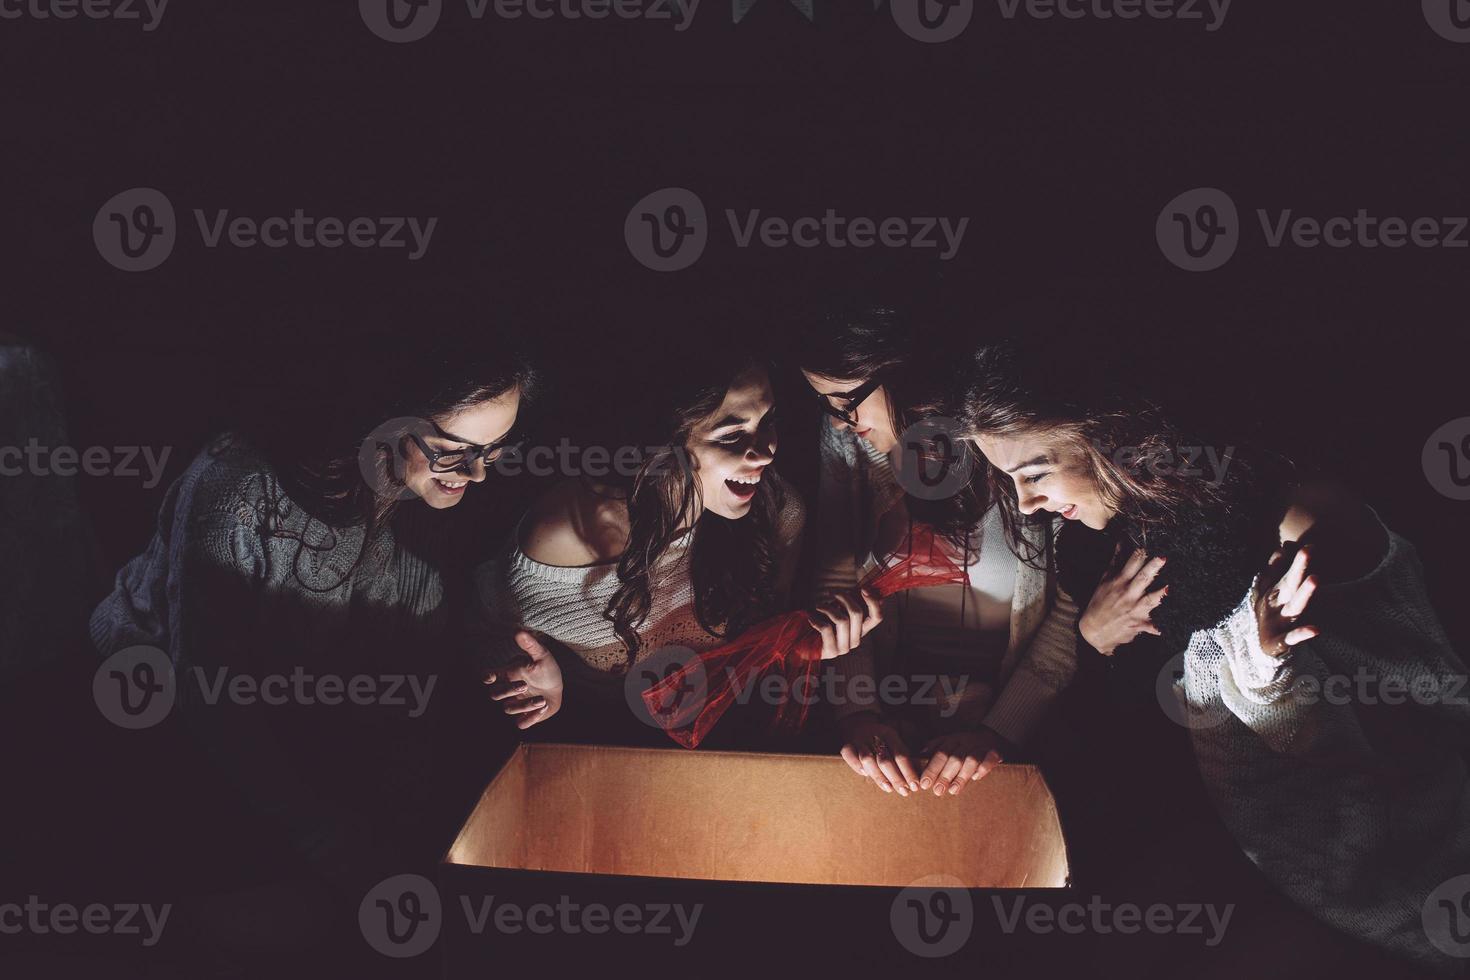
{"points": [[857, 487], [1350, 795]]}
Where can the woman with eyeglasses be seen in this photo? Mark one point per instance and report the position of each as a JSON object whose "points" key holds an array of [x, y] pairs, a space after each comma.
{"points": [[983, 660], [632, 570], [296, 597], [1319, 689]]}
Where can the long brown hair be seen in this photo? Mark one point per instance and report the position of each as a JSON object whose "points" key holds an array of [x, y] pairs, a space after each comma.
{"points": [[1217, 532], [732, 564]]}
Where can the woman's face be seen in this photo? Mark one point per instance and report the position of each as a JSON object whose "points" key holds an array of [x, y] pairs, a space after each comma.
{"points": [[480, 425], [872, 420], [730, 448], [1050, 474]]}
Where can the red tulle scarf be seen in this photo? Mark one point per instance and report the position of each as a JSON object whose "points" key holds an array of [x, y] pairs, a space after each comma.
{"points": [[786, 642]]}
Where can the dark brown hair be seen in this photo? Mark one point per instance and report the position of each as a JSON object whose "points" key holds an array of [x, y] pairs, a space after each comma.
{"points": [[732, 564], [862, 342]]}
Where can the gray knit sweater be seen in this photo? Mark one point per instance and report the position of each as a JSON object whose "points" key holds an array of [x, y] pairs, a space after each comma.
{"points": [[1350, 794], [240, 581]]}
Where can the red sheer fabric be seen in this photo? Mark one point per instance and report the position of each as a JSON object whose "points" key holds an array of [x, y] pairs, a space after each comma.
{"points": [[787, 643]]}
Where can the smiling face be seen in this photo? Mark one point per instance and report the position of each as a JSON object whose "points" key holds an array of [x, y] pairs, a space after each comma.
{"points": [[731, 447], [872, 420], [482, 424], [1050, 474]]}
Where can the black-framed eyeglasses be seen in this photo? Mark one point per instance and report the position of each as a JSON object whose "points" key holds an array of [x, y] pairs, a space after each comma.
{"points": [[851, 400], [463, 458]]}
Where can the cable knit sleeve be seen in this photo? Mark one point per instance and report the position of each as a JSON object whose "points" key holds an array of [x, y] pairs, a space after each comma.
{"points": [[1380, 644], [1047, 667]]}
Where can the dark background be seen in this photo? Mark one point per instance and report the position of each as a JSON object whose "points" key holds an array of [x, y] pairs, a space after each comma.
{"points": [[1060, 140]]}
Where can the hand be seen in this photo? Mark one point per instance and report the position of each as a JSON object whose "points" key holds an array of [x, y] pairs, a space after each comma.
{"points": [[844, 618], [873, 748], [959, 759], [1121, 606], [529, 686], [1278, 610]]}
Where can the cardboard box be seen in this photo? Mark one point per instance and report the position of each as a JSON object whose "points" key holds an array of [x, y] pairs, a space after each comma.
{"points": [[766, 846]]}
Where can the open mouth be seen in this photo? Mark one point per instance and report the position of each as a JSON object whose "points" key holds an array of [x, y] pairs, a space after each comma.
{"points": [[450, 488], [744, 488], [1070, 513]]}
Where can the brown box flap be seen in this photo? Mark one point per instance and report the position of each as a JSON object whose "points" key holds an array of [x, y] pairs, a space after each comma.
{"points": [[754, 817]]}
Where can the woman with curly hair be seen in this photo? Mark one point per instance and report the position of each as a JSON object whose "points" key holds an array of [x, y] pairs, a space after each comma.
{"points": [[685, 548]]}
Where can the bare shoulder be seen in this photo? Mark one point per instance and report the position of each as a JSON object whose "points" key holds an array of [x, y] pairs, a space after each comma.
{"points": [[1345, 539], [572, 524]]}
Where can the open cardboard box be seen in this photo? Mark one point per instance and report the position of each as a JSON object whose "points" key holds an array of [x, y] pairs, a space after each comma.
{"points": [[763, 843]]}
